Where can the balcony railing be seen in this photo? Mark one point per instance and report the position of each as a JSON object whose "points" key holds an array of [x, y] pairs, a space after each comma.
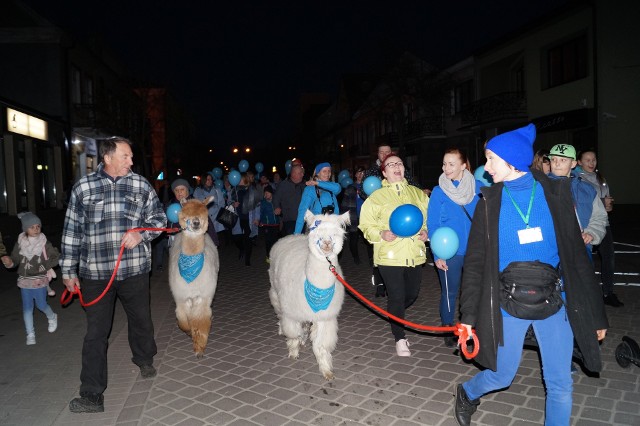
{"points": [[432, 125], [498, 107]]}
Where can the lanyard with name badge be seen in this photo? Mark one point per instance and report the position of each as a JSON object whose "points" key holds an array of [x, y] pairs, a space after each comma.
{"points": [[528, 234]]}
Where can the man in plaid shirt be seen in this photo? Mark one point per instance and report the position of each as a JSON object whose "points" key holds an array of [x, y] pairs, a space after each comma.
{"points": [[102, 207]]}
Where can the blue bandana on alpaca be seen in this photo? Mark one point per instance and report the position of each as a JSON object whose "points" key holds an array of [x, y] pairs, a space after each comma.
{"points": [[515, 147], [190, 266], [318, 298]]}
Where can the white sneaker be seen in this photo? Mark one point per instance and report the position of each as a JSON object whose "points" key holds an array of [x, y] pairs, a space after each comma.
{"points": [[31, 339], [53, 323], [402, 347]]}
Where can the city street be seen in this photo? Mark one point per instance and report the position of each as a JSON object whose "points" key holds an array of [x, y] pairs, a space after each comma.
{"points": [[245, 377]]}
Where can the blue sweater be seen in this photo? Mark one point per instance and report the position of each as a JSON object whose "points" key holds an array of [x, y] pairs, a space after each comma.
{"points": [[443, 211], [510, 249]]}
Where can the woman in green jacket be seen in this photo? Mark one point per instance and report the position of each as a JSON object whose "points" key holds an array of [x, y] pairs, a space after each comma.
{"points": [[397, 258]]}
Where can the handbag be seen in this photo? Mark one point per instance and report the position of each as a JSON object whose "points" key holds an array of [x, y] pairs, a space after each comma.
{"points": [[530, 290], [227, 217]]}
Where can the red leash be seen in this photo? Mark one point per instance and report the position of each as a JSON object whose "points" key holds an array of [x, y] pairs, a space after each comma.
{"points": [[67, 295], [458, 329]]}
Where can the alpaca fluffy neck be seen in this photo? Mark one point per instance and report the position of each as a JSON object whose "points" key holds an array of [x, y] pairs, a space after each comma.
{"points": [[318, 273], [192, 243]]}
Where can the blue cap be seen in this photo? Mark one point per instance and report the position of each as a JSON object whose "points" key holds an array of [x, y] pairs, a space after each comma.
{"points": [[320, 167], [515, 147]]}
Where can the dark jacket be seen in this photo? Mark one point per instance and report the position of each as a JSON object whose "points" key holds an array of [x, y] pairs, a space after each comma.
{"points": [[479, 300]]}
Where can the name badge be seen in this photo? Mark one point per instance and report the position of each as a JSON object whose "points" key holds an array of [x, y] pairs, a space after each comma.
{"points": [[530, 235]]}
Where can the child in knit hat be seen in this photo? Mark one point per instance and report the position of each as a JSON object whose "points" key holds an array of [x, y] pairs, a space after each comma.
{"points": [[35, 257]]}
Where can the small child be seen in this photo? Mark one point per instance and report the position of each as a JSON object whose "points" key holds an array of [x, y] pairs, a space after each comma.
{"points": [[269, 222], [34, 257]]}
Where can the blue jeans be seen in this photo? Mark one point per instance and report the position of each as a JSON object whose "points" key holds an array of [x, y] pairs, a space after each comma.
{"points": [[133, 293], [555, 340], [452, 281], [29, 296]]}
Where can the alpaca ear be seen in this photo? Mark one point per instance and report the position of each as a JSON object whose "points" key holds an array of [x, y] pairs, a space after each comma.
{"points": [[344, 219], [308, 218], [210, 199]]}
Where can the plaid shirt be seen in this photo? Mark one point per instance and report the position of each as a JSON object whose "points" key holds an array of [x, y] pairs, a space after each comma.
{"points": [[100, 211]]}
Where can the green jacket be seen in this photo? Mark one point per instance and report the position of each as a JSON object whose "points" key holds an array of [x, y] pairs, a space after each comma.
{"points": [[374, 218]]}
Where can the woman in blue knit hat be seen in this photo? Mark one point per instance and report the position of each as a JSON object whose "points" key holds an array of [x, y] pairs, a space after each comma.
{"points": [[319, 196], [526, 266]]}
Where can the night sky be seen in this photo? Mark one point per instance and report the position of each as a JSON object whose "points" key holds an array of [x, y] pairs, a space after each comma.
{"points": [[240, 66]]}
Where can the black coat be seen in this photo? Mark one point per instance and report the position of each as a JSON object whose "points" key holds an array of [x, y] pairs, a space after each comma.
{"points": [[479, 300]]}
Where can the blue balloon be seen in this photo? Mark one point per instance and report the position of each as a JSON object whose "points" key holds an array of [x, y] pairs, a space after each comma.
{"points": [[346, 182], [406, 220], [243, 166], [217, 172], [444, 243], [343, 174], [234, 177], [370, 184], [172, 212], [483, 176], [287, 167], [259, 167], [219, 183]]}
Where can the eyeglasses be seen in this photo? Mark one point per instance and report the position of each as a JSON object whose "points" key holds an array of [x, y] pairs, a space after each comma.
{"points": [[394, 165]]}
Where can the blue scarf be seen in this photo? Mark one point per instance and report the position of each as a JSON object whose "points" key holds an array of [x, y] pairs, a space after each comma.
{"points": [[318, 298], [190, 266]]}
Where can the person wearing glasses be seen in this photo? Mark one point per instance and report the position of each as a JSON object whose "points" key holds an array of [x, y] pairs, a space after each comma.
{"points": [[397, 258], [319, 196]]}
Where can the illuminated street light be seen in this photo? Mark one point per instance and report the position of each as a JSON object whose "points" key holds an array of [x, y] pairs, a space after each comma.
{"points": [[247, 150], [235, 150]]}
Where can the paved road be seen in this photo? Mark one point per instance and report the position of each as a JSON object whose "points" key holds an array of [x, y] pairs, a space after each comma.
{"points": [[245, 377]]}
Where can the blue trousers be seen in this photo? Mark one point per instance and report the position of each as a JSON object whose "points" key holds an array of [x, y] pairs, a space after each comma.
{"points": [[452, 282], [133, 293], [555, 340], [29, 296]]}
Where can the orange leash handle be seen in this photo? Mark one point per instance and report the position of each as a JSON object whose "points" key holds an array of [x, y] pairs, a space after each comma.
{"points": [[458, 329], [67, 295]]}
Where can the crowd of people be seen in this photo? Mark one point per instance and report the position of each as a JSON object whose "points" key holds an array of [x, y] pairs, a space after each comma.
{"points": [[532, 230]]}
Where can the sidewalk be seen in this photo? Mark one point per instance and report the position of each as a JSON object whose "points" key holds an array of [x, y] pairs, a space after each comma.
{"points": [[245, 377]]}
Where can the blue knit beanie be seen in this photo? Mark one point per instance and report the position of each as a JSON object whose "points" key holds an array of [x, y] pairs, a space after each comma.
{"points": [[515, 147], [320, 167]]}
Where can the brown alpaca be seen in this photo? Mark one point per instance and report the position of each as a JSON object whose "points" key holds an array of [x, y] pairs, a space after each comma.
{"points": [[193, 272]]}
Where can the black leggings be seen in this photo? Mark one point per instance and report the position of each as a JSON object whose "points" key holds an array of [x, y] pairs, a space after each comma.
{"points": [[403, 287]]}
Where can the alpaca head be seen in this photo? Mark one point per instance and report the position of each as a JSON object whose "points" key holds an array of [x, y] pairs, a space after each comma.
{"points": [[194, 216], [326, 233]]}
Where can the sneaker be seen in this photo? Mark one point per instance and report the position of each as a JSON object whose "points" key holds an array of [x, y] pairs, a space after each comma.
{"points": [[267, 260], [53, 324], [51, 292], [90, 403], [31, 339], [402, 347], [147, 371], [612, 300]]}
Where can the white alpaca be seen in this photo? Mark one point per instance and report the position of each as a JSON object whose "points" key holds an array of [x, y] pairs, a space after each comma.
{"points": [[301, 287], [193, 272]]}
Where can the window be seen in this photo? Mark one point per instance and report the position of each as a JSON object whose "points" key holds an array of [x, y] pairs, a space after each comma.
{"points": [[463, 94], [566, 62], [76, 88]]}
